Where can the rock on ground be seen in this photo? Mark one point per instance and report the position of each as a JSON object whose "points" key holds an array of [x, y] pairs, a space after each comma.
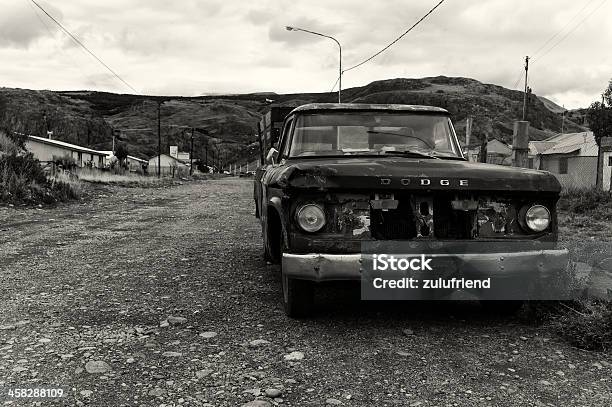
{"points": [[97, 367]]}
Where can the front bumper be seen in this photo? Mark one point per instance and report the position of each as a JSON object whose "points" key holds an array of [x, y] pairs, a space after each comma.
{"points": [[329, 267], [512, 273]]}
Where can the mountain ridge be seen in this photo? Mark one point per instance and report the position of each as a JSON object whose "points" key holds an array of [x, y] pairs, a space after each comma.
{"points": [[228, 123]]}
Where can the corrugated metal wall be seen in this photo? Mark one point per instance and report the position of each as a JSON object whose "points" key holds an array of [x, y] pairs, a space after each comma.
{"points": [[581, 171]]}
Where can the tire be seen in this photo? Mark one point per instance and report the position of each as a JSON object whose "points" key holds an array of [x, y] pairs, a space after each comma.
{"points": [[298, 297], [502, 308], [273, 238], [266, 254]]}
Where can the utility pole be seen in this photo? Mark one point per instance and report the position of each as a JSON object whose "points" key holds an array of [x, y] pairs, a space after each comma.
{"points": [[598, 178], [116, 135], [468, 130], [158, 139], [563, 120], [525, 96], [48, 132], [191, 154], [290, 28]]}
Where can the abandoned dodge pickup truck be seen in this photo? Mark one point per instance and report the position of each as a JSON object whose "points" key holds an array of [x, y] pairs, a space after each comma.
{"points": [[344, 181]]}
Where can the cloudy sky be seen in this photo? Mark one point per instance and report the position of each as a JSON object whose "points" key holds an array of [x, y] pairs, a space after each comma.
{"points": [[193, 47]]}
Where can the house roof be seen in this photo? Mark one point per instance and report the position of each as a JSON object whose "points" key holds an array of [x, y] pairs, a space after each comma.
{"points": [[566, 143], [498, 147], [110, 154], [131, 157], [63, 144], [538, 147], [154, 159]]}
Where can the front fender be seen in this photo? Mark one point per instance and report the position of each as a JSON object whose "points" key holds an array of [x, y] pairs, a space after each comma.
{"points": [[273, 204]]}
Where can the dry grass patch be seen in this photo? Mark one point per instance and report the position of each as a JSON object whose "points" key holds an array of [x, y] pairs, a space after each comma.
{"points": [[128, 179]]}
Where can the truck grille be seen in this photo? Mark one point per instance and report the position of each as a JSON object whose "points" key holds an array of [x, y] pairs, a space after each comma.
{"points": [[393, 224], [404, 215], [444, 216]]}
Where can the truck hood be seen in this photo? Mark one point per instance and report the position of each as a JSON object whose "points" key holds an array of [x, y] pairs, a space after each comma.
{"points": [[375, 173]]}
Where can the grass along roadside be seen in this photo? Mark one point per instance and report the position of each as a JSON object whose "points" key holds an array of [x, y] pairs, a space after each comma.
{"points": [[127, 179], [22, 179], [585, 229]]}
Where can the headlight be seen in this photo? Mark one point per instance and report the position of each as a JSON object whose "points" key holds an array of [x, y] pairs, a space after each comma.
{"points": [[311, 217], [537, 218]]}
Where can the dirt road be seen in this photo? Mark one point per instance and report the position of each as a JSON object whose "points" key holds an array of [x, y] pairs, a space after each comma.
{"points": [[96, 282]]}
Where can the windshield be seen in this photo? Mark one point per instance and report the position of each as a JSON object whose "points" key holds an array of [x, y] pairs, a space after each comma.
{"points": [[358, 133]]}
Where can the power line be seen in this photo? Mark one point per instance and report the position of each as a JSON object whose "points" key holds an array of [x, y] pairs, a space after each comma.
{"points": [[52, 34], [571, 31], [552, 37], [535, 55], [335, 83], [78, 42], [395, 40], [40, 18], [518, 80]]}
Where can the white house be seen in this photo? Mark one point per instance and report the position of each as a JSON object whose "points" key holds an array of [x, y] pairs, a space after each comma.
{"points": [[133, 163], [48, 150], [571, 157], [498, 152], [168, 165]]}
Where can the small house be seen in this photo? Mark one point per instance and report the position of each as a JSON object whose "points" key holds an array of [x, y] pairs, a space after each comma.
{"points": [[133, 163], [571, 157], [498, 152], [47, 150], [168, 165]]}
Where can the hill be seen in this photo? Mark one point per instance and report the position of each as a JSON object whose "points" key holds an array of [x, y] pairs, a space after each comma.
{"points": [[229, 122], [552, 106]]}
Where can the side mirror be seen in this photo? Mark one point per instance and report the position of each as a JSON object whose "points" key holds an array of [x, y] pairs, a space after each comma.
{"points": [[272, 156]]}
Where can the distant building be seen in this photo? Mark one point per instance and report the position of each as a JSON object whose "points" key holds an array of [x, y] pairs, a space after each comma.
{"points": [[183, 156], [498, 152], [535, 149], [48, 150], [169, 165], [179, 155], [132, 162], [135, 162], [606, 164], [571, 157]]}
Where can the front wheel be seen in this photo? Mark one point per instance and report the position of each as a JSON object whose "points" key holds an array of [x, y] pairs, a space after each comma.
{"points": [[298, 296]]}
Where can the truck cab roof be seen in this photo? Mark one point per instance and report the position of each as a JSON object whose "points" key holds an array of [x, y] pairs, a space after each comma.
{"points": [[322, 107]]}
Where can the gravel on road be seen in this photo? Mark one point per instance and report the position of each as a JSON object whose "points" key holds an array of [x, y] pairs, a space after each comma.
{"points": [[160, 296]]}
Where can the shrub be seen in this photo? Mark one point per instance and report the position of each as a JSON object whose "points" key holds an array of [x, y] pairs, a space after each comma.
{"points": [[8, 145], [14, 139], [586, 324], [17, 173], [22, 179], [65, 162], [67, 186], [587, 201]]}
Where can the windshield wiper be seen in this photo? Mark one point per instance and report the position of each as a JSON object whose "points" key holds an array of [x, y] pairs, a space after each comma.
{"points": [[409, 153], [445, 156]]}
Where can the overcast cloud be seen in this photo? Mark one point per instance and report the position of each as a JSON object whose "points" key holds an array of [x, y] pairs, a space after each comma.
{"points": [[193, 47]]}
